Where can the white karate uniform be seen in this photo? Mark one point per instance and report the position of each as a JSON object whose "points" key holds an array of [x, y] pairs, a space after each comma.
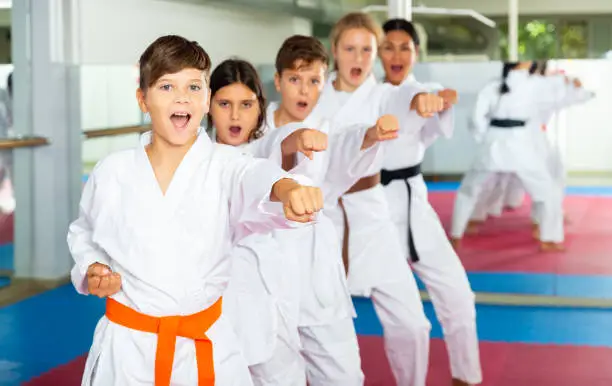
{"points": [[498, 192], [171, 251], [433, 258], [513, 150], [377, 263], [329, 341], [550, 153], [262, 303], [506, 189]]}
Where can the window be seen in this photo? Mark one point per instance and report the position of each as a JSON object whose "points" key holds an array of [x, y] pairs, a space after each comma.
{"points": [[547, 39]]}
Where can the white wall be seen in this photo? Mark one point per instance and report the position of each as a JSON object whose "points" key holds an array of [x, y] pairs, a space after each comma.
{"points": [[113, 34], [585, 131], [117, 31]]}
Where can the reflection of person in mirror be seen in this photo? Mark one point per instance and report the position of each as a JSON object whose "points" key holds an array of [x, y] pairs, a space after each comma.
{"points": [[7, 197], [507, 124]]}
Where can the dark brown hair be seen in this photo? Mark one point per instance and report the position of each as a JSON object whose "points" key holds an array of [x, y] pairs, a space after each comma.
{"points": [[300, 50], [168, 55], [233, 71], [402, 25]]}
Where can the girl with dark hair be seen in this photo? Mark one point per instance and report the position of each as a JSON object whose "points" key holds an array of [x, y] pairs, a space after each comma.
{"points": [[424, 240], [272, 289], [261, 298], [509, 191], [237, 103], [505, 117]]}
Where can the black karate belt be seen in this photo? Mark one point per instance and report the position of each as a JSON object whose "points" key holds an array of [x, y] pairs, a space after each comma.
{"points": [[507, 123], [386, 176]]}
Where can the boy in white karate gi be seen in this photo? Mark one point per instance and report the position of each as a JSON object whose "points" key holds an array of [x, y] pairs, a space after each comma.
{"points": [[162, 217]]}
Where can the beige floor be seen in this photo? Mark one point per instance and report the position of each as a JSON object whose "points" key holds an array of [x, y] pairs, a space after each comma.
{"points": [[22, 289]]}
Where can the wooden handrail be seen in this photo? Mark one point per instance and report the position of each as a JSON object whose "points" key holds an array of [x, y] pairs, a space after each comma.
{"points": [[98, 133], [33, 141], [16, 142]]}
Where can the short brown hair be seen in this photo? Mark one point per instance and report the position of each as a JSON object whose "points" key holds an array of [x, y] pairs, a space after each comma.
{"points": [[302, 50], [355, 20], [168, 55]]}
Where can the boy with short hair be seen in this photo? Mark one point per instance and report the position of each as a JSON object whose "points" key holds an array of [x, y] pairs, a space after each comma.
{"points": [[156, 223], [325, 325]]}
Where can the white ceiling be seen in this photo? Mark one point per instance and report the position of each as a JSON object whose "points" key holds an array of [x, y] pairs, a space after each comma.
{"points": [[539, 7]]}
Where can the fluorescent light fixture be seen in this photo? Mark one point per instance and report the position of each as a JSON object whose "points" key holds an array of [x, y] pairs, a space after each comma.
{"points": [[422, 10]]}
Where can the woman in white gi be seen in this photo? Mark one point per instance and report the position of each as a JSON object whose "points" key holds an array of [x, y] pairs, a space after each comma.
{"points": [[377, 264], [159, 221], [508, 189], [424, 240], [506, 115]]}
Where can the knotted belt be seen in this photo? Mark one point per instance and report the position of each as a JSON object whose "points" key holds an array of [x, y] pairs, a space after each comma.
{"points": [[168, 328], [386, 176]]}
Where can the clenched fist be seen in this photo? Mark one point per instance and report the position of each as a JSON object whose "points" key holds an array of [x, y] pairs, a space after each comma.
{"points": [[305, 141], [426, 105], [101, 282], [449, 96], [386, 128], [300, 203]]}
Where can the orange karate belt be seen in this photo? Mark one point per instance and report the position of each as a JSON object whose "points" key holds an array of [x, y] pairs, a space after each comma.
{"points": [[168, 328]]}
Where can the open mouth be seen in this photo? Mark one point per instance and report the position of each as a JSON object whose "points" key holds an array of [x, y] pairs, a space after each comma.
{"points": [[180, 120], [235, 130], [396, 68], [356, 72], [302, 105]]}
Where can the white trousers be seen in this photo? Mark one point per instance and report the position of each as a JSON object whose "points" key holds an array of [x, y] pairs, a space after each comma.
{"points": [[490, 200], [331, 353], [515, 192], [557, 170], [538, 183], [285, 368], [378, 269], [453, 300], [440, 268], [406, 331], [502, 190]]}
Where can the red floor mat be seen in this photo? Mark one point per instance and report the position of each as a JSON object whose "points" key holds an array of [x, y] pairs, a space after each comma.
{"points": [[505, 244], [503, 364], [69, 374]]}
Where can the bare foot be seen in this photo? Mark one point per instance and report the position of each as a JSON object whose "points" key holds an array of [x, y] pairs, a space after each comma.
{"points": [[473, 226], [547, 246], [457, 382], [535, 231], [455, 242]]}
